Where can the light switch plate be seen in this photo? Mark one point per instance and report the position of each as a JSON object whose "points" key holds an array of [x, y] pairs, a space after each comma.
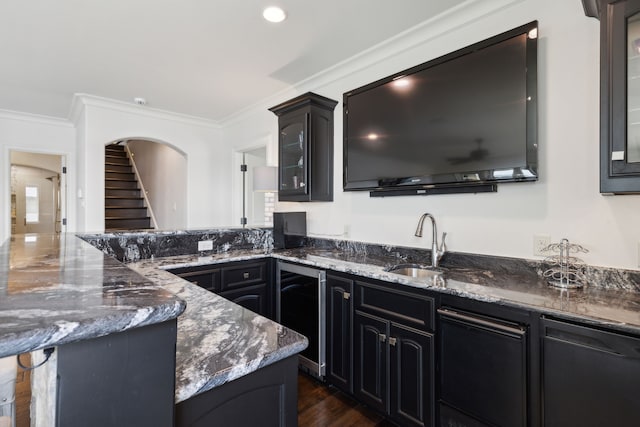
{"points": [[205, 245]]}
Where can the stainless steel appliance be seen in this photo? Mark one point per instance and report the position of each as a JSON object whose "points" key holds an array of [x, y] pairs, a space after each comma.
{"points": [[300, 305]]}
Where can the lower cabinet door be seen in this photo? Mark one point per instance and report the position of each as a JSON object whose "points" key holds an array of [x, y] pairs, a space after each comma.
{"points": [[590, 377], [483, 368], [254, 298], [370, 379], [339, 336], [411, 373]]}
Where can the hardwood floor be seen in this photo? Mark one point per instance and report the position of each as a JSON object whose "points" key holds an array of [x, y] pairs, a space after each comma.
{"points": [[23, 394], [319, 405], [323, 406]]}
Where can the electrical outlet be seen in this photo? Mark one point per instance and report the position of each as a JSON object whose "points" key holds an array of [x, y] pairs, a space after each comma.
{"points": [[205, 245], [540, 242]]}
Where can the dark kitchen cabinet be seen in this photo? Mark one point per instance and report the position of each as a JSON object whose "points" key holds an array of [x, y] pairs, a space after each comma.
{"points": [[590, 376], [246, 283], [483, 368], [339, 332], [207, 276], [393, 359], [255, 298], [121, 379], [305, 148], [619, 94]]}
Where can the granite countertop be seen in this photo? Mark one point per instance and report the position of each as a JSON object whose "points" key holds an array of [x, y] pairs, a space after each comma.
{"points": [[218, 340], [518, 286], [56, 289]]}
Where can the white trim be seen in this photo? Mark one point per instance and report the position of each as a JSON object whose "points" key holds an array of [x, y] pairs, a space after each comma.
{"points": [[81, 100], [34, 118], [430, 29]]}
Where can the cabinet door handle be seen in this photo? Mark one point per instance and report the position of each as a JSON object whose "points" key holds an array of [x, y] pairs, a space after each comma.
{"points": [[245, 275], [346, 295], [392, 341], [382, 337]]}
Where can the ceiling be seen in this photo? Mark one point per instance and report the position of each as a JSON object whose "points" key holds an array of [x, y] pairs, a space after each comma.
{"points": [[206, 58]]}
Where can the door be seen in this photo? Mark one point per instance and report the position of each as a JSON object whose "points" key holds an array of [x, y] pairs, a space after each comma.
{"points": [[339, 336], [620, 96], [411, 373], [37, 193], [590, 377], [371, 371], [293, 156], [483, 367], [254, 298]]}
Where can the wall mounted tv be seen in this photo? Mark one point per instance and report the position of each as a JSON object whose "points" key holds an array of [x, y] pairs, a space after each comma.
{"points": [[459, 123]]}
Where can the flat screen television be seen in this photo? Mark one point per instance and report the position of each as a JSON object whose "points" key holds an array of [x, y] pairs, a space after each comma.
{"points": [[465, 119]]}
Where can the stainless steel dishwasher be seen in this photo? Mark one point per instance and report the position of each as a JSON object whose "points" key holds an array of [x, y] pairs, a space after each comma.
{"points": [[301, 306]]}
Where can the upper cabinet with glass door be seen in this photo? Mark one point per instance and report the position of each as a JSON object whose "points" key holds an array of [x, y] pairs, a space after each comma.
{"points": [[619, 94], [305, 148]]}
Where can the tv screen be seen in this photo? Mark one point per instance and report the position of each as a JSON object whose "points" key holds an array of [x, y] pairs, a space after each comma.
{"points": [[468, 117]]}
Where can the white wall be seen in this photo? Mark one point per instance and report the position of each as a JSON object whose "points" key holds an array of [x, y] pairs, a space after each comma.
{"points": [[163, 171], [565, 202], [26, 132], [208, 171]]}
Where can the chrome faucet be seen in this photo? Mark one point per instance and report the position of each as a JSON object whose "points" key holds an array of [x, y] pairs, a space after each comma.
{"points": [[437, 251]]}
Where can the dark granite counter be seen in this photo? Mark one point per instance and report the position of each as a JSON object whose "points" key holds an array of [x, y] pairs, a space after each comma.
{"points": [[218, 340], [57, 289], [510, 282]]}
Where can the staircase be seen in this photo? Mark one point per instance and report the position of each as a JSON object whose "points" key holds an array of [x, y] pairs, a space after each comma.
{"points": [[123, 204]]}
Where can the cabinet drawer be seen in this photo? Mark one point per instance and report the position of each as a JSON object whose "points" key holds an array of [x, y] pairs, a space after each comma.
{"points": [[400, 306], [243, 275], [207, 279]]}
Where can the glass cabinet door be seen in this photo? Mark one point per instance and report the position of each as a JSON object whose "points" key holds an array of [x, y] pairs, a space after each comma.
{"points": [[620, 97], [293, 156], [633, 88]]}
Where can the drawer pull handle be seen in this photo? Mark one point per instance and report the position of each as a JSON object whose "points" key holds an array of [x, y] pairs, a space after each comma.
{"points": [[346, 295], [392, 341], [382, 337], [482, 322], [245, 275]]}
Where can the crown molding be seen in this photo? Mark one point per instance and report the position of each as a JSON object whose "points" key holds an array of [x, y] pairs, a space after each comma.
{"points": [[34, 118], [82, 100], [448, 21]]}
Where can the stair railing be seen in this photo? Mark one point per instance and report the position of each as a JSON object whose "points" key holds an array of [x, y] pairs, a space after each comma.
{"points": [[144, 192]]}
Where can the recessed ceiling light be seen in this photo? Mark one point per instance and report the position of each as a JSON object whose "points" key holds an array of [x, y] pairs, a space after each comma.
{"points": [[274, 14]]}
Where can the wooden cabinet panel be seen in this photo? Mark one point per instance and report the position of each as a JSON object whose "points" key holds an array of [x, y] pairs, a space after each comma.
{"points": [[412, 376], [590, 377], [371, 361], [305, 148], [339, 332]]}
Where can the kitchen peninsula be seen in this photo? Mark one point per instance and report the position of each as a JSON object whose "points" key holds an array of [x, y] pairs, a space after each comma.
{"points": [[114, 333]]}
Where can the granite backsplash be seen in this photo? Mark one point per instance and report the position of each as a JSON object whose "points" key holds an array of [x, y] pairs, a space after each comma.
{"points": [[139, 245]]}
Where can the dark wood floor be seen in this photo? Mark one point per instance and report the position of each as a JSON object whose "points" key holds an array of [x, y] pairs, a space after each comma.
{"points": [[323, 406], [23, 393], [318, 405]]}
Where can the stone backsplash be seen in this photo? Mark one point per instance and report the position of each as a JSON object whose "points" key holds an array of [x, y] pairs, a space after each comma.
{"points": [[135, 246]]}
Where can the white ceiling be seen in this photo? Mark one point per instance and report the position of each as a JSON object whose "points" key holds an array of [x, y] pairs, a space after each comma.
{"points": [[206, 58]]}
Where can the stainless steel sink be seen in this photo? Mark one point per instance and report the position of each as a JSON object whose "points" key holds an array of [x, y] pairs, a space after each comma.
{"points": [[415, 270]]}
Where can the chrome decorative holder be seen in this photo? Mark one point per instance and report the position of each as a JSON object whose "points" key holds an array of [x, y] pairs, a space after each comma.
{"points": [[565, 271]]}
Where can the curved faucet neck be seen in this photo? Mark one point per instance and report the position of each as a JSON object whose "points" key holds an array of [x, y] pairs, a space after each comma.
{"points": [[437, 251]]}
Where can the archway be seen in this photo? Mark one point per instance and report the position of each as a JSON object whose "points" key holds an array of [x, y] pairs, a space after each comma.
{"points": [[159, 171]]}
